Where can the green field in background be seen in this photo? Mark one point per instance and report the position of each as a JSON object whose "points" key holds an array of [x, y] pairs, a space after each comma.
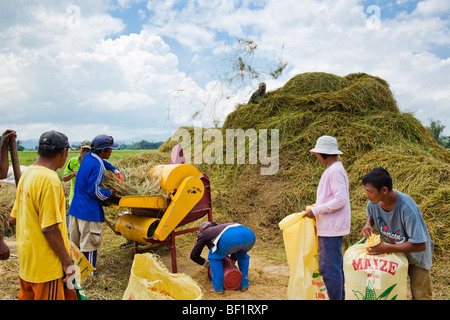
{"points": [[26, 158]]}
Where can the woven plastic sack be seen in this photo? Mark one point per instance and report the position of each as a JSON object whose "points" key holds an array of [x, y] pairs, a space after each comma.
{"points": [[84, 268], [150, 280], [74, 291], [374, 277], [301, 245]]}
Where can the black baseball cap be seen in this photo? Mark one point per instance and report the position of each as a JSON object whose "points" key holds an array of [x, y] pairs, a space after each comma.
{"points": [[52, 140]]}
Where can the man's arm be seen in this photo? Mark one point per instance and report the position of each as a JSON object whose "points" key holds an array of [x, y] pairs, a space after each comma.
{"points": [[110, 167], [196, 252], [69, 176], [405, 247], [55, 239], [368, 229], [4, 162], [69, 173], [94, 185]]}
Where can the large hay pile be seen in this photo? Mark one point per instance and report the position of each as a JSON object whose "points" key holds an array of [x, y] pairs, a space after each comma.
{"points": [[360, 111]]}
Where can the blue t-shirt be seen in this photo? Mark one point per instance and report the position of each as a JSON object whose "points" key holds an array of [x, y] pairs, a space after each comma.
{"points": [[403, 224], [88, 195]]}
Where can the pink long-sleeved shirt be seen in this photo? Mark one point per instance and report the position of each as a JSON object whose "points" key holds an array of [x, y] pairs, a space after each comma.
{"points": [[332, 207]]}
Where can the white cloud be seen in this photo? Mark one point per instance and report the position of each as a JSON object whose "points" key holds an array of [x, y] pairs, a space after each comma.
{"points": [[89, 78], [432, 8], [408, 49], [80, 79]]}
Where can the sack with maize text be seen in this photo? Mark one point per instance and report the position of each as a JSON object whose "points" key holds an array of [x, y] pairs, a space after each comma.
{"points": [[374, 277]]}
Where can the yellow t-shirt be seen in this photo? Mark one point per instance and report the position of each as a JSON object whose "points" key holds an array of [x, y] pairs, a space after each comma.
{"points": [[40, 203]]}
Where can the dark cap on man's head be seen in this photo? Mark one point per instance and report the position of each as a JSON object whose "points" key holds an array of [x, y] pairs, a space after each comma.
{"points": [[103, 141], [52, 140]]}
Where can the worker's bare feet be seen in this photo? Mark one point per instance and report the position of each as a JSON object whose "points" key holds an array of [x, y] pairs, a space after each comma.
{"points": [[244, 289], [212, 290]]}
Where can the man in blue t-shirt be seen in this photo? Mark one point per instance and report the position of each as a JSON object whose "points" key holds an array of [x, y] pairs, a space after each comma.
{"points": [[401, 226], [86, 210]]}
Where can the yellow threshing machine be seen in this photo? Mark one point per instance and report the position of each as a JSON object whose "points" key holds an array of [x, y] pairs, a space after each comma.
{"points": [[153, 220]]}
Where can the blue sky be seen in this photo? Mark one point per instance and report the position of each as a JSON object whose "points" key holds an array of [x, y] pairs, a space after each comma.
{"points": [[143, 68]]}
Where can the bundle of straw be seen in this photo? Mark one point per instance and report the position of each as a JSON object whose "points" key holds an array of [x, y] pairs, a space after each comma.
{"points": [[7, 196], [112, 182], [136, 182]]}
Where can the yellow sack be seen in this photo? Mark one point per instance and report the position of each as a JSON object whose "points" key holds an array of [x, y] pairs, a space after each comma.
{"points": [[84, 268], [374, 277], [301, 244], [150, 280]]}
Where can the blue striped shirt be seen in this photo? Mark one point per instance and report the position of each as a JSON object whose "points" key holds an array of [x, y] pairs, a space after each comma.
{"points": [[88, 196]]}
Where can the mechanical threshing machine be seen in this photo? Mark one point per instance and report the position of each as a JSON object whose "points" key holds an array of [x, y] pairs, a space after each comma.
{"points": [[153, 220]]}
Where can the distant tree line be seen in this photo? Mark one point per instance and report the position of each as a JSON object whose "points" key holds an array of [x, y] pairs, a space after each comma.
{"points": [[142, 145], [20, 147], [437, 128]]}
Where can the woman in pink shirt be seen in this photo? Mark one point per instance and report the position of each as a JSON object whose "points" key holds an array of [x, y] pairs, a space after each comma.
{"points": [[332, 214]]}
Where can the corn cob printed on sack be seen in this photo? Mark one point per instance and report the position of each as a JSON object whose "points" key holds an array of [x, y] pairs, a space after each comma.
{"points": [[301, 244], [151, 280], [374, 277]]}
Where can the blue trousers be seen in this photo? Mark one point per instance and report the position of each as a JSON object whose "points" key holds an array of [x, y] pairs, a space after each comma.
{"points": [[238, 240], [331, 266]]}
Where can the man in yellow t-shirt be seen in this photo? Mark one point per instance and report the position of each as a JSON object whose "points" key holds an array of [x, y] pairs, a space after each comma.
{"points": [[40, 218]]}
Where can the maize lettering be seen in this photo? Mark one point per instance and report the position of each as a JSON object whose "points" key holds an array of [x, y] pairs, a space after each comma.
{"points": [[375, 264]]}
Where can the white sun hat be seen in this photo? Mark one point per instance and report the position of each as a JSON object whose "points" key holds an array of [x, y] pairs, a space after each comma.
{"points": [[326, 145]]}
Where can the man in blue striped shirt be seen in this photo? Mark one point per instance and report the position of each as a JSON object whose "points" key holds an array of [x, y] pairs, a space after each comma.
{"points": [[86, 210]]}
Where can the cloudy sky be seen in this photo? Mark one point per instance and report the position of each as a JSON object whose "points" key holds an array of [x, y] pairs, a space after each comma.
{"points": [[143, 68]]}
